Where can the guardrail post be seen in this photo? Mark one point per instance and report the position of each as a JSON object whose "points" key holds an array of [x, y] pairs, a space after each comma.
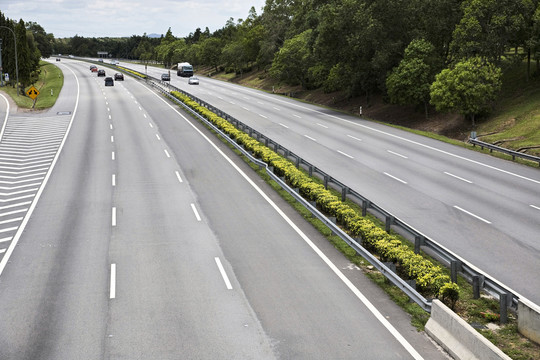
{"points": [[344, 192], [365, 205], [310, 170], [265, 141], [298, 162], [326, 182], [389, 222], [476, 286], [455, 266], [503, 305], [419, 240]]}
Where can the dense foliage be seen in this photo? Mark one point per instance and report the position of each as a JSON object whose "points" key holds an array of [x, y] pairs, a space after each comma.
{"points": [[359, 47], [29, 40]]}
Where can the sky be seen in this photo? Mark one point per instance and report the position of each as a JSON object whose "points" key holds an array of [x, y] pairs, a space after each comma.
{"points": [[123, 18]]}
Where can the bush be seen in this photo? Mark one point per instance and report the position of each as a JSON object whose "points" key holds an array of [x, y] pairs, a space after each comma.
{"points": [[430, 279]]}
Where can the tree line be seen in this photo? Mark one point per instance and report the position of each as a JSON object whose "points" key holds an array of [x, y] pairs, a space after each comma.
{"points": [[447, 53], [32, 43]]}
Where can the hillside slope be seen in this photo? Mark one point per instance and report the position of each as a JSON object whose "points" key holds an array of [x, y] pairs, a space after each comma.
{"points": [[514, 122]]}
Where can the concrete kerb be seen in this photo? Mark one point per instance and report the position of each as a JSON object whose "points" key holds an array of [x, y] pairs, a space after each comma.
{"points": [[459, 338], [529, 320]]}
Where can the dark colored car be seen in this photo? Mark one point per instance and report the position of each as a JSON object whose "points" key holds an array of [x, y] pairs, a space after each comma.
{"points": [[109, 81], [57, 59], [101, 72], [119, 76], [165, 77], [92, 67]]}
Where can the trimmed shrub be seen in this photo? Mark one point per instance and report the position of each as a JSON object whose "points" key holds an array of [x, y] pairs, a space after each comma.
{"points": [[430, 279]]}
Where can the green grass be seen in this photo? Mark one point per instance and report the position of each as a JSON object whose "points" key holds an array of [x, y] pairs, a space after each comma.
{"points": [[50, 78], [515, 122], [507, 338]]}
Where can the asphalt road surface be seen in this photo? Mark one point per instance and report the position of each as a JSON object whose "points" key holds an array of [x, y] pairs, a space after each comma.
{"points": [[484, 209], [143, 237]]}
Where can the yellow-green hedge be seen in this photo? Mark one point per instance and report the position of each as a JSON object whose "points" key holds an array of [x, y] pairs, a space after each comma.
{"points": [[430, 278]]}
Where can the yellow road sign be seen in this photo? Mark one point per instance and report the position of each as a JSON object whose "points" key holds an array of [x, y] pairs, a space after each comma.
{"points": [[33, 93]]}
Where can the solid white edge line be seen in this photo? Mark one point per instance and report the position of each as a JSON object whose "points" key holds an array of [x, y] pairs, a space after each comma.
{"points": [[5, 118], [398, 137], [223, 274], [112, 293], [471, 214], [113, 216], [395, 178], [197, 216], [178, 176], [535, 207], [329, 263], [22, 227], [458, 177]]}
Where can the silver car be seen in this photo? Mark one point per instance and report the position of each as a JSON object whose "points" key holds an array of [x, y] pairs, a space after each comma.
{"points": [[193, 81]]}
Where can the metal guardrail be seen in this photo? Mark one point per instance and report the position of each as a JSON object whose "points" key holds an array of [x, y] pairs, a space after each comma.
{"points": [[479, 279], [512, 153]]}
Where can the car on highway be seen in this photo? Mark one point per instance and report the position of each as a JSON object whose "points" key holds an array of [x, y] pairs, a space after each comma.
{"points": [[193, 80], [101, 72], [92, 67], [109, 81], [165, 77], [100, 60], [57, 59], [119, 76]]}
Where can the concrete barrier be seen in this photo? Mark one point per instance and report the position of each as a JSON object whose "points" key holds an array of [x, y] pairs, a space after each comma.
{"points": [[529, 320], [457, 337]]}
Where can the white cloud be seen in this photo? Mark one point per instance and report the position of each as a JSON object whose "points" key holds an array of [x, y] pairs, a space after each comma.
{"points": [[119, 18]]}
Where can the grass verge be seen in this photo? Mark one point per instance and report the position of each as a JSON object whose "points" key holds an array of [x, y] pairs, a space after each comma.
{"points": [[481, 313], [49, 83]]}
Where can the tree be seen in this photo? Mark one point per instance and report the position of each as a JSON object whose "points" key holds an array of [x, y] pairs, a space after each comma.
{"points": [[43, 40], [409, 82], [233, 55], [468, 88], [211, 52], [26, 58], [488, 28], [290, 61]]}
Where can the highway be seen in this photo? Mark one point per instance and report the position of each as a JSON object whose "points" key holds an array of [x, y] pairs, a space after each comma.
{"points": [[141, 236], [484, 209]]}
